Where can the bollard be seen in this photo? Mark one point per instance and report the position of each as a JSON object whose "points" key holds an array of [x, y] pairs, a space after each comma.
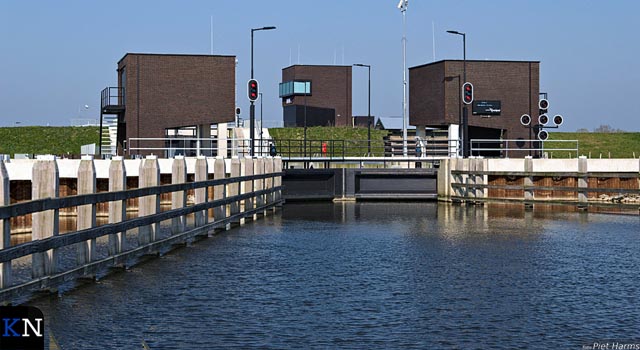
{"points": [[45, 184], [117, 209], [86, 251], [5, 226], [148, 176], [178, 198], [201, 193]]}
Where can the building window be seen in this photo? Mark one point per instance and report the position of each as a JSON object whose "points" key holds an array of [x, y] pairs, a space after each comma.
{"points": [[292, 88]]}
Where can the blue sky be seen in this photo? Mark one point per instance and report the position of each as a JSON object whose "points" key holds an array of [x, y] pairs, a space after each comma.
{"points": [[56, 56]]}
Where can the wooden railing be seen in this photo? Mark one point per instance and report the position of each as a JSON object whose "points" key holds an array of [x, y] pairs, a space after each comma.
{"points": [[252, 188]]}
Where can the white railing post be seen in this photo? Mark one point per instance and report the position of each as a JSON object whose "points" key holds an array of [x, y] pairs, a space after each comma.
{"points": [[45, 184], [117, 209], [86, 251], [179, 198], [149, 176]]}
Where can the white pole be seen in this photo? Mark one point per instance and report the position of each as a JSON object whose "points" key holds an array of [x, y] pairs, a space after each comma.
{"points": [[404, 81]]}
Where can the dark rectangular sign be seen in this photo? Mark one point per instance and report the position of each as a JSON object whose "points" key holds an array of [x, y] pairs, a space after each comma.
{"points": [[486, 108]]}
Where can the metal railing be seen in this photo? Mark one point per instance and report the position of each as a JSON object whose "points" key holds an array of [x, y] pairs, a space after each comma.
{"points": [[500, 148], [112, 96]]}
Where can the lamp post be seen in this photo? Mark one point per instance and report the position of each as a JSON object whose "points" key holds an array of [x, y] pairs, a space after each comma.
{"points": [[368, 109], [402, 6], [261, 127], [465, 122], [252, 107]]}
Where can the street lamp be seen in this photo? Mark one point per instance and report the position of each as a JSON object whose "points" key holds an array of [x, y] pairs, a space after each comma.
{"points": [[465, 123], [402, 6], [368, 109], [261, 126], [252, 107]]}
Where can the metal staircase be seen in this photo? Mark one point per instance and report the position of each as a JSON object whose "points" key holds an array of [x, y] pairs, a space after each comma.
{"points": [[112, 108]]}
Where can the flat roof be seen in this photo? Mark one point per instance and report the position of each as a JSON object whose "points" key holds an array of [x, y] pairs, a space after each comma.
{"points": [[316, 65], [170, 54], [475, 61]]}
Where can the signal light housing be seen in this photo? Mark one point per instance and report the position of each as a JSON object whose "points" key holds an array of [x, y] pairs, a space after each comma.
{"points": [[525, 119], [543, 119], [467, 93], [557, 120], [543, 135], [253, 90]]}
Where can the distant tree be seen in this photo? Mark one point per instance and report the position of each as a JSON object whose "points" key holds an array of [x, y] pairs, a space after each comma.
{"points": [[582, 130], [606, 129]]}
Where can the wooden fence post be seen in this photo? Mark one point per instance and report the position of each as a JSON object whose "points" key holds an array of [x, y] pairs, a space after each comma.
{"points": [[148, 176], [5, 226], [258, 169], [86, 251], [234, 188], [117, 209], [201, 174], [178, 198], [583, 182], [268, 169], [219, 191], [249, 203], [45, 184], [277, 165]]}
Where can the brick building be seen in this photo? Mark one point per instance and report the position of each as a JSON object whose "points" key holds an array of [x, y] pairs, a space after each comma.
{"points": [[324, 90], [168, 95], [503, 92]]}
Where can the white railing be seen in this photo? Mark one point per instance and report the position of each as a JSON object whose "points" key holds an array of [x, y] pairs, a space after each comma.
{"points": [[502, 147]]}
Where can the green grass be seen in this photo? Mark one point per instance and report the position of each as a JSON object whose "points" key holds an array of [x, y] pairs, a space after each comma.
{"points": [[596, 145], [46, 139], [350, 141]]}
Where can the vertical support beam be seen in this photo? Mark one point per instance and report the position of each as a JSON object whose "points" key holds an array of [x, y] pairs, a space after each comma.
{"points": [[201, 193], [484, 179], [178, 198], [277, 166], [45, 184], [117, 209], [583, 182], [528, 180], [259, 184], [471, 179], [444, 180], [5, 226], [247, 170], [86, 251], [268, 169], [149, 176], [234, 188], [219, 191], [222, 140]]}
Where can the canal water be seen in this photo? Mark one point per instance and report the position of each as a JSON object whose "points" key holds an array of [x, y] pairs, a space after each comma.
{"points": [[374, 276]]}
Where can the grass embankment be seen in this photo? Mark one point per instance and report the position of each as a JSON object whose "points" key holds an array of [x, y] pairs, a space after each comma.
{"points": [[596, 145], [352, 140], [46, 139]]}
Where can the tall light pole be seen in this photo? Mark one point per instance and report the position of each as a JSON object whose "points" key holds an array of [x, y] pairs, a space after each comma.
{"points": [[252, 107], [368, 109], [261, 126], [465, 122], [402, 6]]}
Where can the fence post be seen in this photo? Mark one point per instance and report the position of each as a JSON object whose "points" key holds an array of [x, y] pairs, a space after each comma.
{"points": [[234, 188], [277, 165], [219, 191], [117, 209], [259, 184], [201, 193], [86, 251], [268, 169], [248, 185], [178, 198], [5, 235], [583, 182], [148, 176], [46, 182]]}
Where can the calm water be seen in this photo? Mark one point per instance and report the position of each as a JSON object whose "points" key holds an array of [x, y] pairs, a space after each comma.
{"points": [[374, 276]]}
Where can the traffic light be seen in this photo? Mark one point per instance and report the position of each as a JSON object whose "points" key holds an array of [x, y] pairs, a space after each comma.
{"points": [[543, 105], [467, 93], [525, 119], [253, 90], [557, 119], [543, 119], [543, 135]]}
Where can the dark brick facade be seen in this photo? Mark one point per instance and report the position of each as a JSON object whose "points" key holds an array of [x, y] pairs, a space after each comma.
{"points": [[330, 89], [170, 91], [434, 94]]}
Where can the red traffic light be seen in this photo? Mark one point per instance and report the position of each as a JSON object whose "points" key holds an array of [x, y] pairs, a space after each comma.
{"points": [[253, 90], [467, 93]]}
